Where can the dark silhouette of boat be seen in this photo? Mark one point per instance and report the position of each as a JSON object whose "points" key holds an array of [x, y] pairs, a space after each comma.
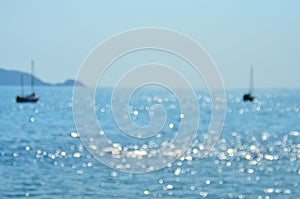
{"points": [[250, 96], [28, 98]]}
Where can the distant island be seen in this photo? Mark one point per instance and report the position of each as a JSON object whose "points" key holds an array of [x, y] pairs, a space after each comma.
{"points": [[13, 78]]}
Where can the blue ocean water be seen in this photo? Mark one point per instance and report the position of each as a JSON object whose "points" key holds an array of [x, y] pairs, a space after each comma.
{"points": [[257, 155]]}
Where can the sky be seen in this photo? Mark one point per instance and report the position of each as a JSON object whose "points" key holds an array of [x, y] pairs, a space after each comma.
{"points": [[59, 35]]}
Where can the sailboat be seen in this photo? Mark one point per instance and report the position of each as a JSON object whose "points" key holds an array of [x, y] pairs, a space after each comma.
{"points": [[249, 96], [28, 98]]}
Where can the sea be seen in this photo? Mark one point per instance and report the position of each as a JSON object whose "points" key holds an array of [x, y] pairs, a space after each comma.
{"points": [[257, 154]]}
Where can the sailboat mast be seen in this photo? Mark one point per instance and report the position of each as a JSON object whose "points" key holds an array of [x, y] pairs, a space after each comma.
{"points": [[22, 85], [32, 78], [251, 81]]}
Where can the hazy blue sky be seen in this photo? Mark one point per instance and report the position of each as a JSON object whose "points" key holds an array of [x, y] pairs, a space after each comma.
{"points": [[58, 35]]}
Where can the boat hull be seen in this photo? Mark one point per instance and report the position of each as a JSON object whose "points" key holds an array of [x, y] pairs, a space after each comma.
{"points": [[248, 97], [24, 99]]}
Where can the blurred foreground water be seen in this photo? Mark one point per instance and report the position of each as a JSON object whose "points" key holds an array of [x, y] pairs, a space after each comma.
{"points": [[257, 155]]}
